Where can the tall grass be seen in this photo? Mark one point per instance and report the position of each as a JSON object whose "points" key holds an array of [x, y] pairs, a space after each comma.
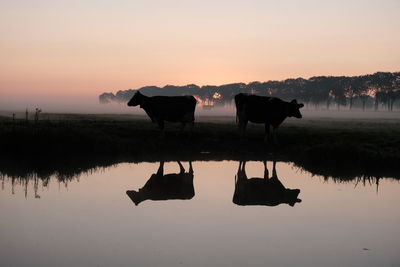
{"points": [[318, 145]]}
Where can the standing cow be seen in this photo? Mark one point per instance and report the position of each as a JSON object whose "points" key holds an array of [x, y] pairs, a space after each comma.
{"points": [[166, 108], [162, 186], [262, 191], [271, 111]]}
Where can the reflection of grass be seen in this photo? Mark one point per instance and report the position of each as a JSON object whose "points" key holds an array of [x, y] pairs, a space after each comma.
{"points": [[37, 172], [336, 146]]}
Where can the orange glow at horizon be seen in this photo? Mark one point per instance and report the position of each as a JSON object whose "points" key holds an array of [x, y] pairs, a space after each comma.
{"points": [[73, 48]]}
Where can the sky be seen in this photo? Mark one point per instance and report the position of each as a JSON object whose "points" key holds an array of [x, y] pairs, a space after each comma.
{"points": [[68, 52]]}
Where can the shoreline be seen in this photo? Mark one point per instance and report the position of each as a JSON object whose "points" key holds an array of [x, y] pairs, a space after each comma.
{"points": [[339, 148]]}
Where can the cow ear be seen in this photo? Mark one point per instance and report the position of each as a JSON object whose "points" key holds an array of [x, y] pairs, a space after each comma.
{"points": [[300, 105], [294, 101]]}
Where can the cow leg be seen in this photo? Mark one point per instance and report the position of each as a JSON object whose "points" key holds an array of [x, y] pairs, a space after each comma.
{"points": [[182, 170], [275, 139], [266, 173], [275, 180], [244, 170], [191, 124], [238, 172], [183, 125], [241, 174], [267, 135], [190, 167], [161, 126], [160, 171], [242, 128], [241, 166], [274, 169]]}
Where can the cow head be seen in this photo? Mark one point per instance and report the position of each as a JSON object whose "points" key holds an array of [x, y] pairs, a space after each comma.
{"points": [[294, 109], [290, 196], [136, 99], [135, 196]]}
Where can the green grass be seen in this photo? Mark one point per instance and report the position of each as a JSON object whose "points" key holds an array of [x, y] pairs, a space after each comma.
{"points": [[337, 147]]}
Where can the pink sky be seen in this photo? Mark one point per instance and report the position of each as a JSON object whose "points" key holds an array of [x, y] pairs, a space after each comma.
{"points": [[69, 49]]}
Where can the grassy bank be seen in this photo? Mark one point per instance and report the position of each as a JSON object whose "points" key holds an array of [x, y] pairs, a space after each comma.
{"points": [[341, 147]]}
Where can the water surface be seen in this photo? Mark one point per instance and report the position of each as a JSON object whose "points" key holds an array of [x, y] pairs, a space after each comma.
{"points": [[91, 221]]}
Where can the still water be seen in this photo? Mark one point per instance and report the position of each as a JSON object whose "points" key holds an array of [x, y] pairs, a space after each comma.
{"points": [[200, 218]]}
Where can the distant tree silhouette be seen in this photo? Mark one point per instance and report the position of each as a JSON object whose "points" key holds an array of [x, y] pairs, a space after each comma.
{"points": [[381, 89]]}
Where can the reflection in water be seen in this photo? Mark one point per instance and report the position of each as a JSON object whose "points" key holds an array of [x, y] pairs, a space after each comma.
{"points": [[24, 183], [262, 191], [36, 175], [162, 186], [96, 223], [37, 181], [368, 179]]}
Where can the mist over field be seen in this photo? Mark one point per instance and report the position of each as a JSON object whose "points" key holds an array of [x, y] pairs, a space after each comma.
{"points": [[66, 104], [366, 96], [226, 112]]}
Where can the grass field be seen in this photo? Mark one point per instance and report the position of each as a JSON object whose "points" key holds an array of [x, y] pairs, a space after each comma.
{"points": [[338, 147]]}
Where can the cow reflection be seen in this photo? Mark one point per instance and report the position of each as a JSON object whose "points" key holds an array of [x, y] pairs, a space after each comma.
{"points": [[262, 191], [162, 186]]}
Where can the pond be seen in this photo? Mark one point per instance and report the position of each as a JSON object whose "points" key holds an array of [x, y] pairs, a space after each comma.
{"points": [[215, 215]]}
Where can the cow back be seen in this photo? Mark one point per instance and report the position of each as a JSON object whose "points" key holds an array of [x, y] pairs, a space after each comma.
{"points": [[262, 109], [170, 108], [170, 186], [260, 191]]}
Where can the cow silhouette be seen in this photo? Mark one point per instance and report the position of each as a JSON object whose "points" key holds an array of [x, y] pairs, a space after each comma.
{"points": [[162, 186], [166, 108], [262, 191], [270, 111]]}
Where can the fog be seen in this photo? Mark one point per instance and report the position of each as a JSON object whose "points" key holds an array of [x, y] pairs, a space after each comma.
{"points": [[91, 105]]}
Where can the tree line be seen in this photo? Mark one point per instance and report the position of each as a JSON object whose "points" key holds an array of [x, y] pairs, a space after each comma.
{"points": [[376, 91]]}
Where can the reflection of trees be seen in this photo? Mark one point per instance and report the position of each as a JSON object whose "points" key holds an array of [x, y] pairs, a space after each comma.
{"points": [[379, 90], [33, 175]]}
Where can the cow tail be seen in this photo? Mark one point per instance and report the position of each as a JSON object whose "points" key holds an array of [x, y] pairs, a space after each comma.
{"points": [[237, 107]]}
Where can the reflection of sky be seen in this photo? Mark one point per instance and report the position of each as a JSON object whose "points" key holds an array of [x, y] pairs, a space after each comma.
{"points": [[83, 48], [93, 222]]}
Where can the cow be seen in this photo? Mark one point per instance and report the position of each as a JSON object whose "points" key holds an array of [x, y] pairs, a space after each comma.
{"points": [[271, 111], [162, 186], [166, 108], [262, 191]]}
